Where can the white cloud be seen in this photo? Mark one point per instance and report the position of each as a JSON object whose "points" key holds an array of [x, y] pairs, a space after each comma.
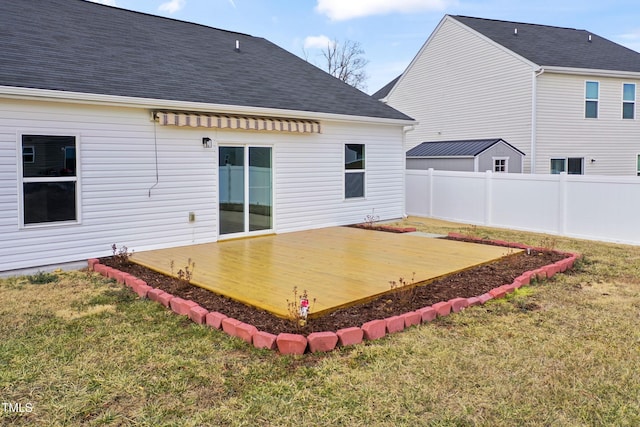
{"points": [[317, 42], [342, 10], [172, 6], [107, 2]]}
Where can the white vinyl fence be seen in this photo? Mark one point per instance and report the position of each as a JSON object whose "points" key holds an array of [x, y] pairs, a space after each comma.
{"points": [[591, 207]]}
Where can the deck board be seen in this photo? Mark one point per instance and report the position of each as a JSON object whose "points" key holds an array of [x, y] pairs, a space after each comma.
{"points": [[338, 266]]}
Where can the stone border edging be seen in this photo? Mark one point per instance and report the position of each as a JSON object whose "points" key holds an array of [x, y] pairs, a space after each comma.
{"points": [[287, 343]]}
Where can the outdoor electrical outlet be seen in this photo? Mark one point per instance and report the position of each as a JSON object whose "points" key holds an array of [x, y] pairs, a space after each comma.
{"points": [[192, 216]]}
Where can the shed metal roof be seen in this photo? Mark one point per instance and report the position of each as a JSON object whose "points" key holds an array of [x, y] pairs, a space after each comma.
{"points": [[459, 148], [80, 46]]}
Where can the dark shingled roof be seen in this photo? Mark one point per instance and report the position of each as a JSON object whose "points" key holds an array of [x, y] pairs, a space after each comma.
{"points": [[470, 147], [78, 46], [382, 93], [556, 46], [549, 46]]}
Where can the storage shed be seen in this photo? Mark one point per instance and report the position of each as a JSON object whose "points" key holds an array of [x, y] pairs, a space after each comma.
{"points": [[475, 155]]}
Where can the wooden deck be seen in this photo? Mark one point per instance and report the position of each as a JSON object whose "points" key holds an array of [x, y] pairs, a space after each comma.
{"points": [[338, 266]]}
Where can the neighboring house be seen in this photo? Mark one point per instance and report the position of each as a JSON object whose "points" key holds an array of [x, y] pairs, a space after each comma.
{"points": [[118, 127], [565, 97], [481, 155]]}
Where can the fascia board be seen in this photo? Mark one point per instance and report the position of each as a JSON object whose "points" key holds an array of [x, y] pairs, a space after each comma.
{"points": [[592, 72], [149, 103]]}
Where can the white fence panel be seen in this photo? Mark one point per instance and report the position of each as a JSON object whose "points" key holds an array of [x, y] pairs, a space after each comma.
{"points": [[591, 207], [525, 202], [459, 197], [603, 207]]}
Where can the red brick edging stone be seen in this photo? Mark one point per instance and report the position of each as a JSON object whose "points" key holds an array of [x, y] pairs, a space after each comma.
{"points": [[297, 344]]}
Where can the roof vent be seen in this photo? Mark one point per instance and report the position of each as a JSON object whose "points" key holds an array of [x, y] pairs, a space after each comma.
{"points": [[237, 46], [589, 38], [515, 31]]}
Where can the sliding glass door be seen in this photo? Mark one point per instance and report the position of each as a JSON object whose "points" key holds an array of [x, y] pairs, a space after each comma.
{"points": [[245, 189]]}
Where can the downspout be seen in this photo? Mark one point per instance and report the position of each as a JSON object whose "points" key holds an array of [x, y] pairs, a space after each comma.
{"points": [[534, 117], [405, 130], [155, 147]]}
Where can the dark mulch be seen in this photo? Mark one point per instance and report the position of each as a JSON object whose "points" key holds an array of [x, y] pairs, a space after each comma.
{"points": [[465, 284]]}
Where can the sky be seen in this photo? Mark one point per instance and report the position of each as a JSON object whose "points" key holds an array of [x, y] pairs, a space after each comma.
{"points": [[391, 32]]}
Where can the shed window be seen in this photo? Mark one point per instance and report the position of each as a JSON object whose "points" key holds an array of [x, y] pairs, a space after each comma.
{"points": [[592, 94], [50, 181], [500, 164], [628, 100], [354, 170]]}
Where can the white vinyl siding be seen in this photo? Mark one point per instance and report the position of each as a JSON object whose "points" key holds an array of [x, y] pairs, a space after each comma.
{"points": [[124, 203], [310, 177], [563, 131], [463, 86]]}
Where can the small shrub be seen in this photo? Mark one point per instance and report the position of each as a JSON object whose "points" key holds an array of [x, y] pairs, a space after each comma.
{"points": [[42, 278], [405, 290], [121, 255], [185, 273], [299, 308], [370, 220], [549, 243]]}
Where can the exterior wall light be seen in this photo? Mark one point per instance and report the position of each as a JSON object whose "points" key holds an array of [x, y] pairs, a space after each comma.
{"points": [[207, 142]]}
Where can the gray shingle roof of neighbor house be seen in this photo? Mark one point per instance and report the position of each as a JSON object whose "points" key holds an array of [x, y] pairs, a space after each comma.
{"points": [[380, 94], [459, 148], [550, 46], [556, 46], [79, 46]]}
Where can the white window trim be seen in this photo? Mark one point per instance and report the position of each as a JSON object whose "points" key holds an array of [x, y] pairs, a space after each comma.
{"points": [[246, 146], [346, 171], [635, 95], [21, 180], [566, 163], [597, 100], [637, 168], [506, 164]]}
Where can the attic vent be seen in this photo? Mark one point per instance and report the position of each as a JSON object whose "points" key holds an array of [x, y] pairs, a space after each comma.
{"points": [[237, 46], [515, 31], [589, 38]]}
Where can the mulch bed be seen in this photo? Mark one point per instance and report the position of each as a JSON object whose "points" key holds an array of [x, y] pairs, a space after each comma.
{"points": [[469, 283]]}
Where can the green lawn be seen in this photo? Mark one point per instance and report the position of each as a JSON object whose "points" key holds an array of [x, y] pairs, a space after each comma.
{"points": [[82, 350]]}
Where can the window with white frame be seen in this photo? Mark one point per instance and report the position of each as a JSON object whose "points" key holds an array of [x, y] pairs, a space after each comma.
{"points": [[592, 96], [354, 171], [500, 164], [49, 182], [570, 165], [628, 101]]}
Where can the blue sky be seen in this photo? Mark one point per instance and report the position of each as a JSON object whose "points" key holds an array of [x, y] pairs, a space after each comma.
{"points": [[390, 31]]}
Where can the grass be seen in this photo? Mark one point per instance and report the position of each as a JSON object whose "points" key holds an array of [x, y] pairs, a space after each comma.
{"points": [[83, 351]]}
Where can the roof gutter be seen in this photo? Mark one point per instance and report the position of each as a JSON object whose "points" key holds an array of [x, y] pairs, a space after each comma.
{"points": [[534, 116], [592, 72], [150, 103]]}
